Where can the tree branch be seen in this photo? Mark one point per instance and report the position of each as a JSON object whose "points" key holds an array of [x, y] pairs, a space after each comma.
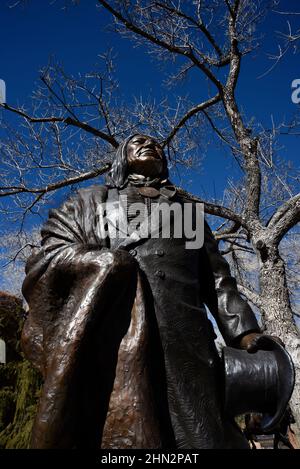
{"points": [[200, 25], [234, 248], [247, 143], [65, 120], [214, 209], [13, 190], [189, 114], [229, 236], [186, 52], [252, 296], [224, 139], [287, 216]]}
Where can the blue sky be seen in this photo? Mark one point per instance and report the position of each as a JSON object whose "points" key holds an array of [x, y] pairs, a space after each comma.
{"points": [[29, 35], [75, 36]]}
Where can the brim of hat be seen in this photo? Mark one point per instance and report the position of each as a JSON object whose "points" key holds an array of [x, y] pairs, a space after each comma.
{"points": [[286, 381]]}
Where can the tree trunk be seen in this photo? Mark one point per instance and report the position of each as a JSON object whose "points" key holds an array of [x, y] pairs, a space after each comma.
{"points": [[19, 382], [17, 434], [276, 311]]}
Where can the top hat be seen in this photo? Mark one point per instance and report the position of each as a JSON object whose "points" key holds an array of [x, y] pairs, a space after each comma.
{"points": [[260, 382]]}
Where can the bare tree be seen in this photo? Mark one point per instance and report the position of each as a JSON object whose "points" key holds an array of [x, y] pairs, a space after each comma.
{"points": [[211, 38], [289, 37]]}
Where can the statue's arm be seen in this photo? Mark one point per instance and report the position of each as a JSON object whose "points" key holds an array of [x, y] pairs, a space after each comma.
{"points": [[234, 316], [70, 273], [69, 236], [69, 251]]}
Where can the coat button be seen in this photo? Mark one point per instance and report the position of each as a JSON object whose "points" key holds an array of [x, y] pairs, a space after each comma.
{"points": [[159, 252], [160, 274], [133, 252]]}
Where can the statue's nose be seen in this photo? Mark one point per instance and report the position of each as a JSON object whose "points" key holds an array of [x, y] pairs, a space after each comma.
{"points": [[149, 143]]}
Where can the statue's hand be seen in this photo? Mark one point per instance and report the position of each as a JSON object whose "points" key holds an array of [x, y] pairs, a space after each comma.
{"points": [[250, 342]]}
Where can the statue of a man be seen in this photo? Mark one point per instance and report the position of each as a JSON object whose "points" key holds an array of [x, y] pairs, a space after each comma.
{"points": [[117, 323]]}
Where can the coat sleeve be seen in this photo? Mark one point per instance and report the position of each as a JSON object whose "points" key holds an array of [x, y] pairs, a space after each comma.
{"points": [[233, 315], [70, 239], [71, 230]]}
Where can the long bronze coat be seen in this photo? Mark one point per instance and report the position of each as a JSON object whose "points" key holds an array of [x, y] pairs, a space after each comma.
{"points": [[120, 332]]}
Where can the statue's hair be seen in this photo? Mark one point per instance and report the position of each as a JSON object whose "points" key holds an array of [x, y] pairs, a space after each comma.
{"points": [[117, 175]]}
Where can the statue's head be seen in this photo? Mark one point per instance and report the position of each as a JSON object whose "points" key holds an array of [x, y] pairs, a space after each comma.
{"points": [[138, 154]]}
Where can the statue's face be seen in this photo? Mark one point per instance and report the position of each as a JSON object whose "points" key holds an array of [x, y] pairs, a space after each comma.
{"points": [[145, 156]]}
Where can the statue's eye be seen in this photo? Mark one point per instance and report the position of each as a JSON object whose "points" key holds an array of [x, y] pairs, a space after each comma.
{"points": [[139, 140]]}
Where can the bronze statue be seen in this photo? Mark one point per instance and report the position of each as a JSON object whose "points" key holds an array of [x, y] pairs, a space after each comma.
{"points": [[117, 323]]}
